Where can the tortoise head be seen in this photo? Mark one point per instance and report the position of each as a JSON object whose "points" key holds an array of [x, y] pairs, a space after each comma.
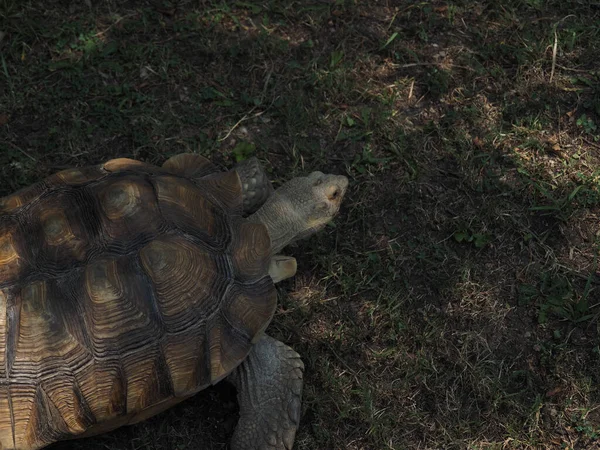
{"points": [[316, 199], [301, 207]]}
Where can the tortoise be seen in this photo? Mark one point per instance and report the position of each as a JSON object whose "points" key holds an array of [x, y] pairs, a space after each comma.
{"points": [[126, 288]]}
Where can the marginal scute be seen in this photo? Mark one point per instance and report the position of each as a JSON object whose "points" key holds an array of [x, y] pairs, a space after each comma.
{"points": [[22, 397], [226, 349], [72, 176], [122, 164], [3, 304], [155, 409], [8, 253], [11, 263], [45, 424], [147, 378], [64, 393], [23, 196], [117, 396], [110, 400], [10, 203], [77, 176], [186, 357], [249, 308], [6, 438], [189, 165]]}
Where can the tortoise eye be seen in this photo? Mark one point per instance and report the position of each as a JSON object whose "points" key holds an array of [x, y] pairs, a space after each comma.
{"points": [[318, 182]]}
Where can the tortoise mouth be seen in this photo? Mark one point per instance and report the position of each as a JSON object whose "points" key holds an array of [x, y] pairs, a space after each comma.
{"points": [[342, 183], [335, 193]]}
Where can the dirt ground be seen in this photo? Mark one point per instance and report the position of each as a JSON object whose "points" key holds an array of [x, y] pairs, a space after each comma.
{"points": [[454, 302]]}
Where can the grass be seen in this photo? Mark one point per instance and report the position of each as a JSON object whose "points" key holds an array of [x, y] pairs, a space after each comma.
{"points": [[454, 303]]}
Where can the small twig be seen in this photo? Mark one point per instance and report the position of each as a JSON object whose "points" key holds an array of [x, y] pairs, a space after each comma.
{"points": [[246, 116], [410, 92], [571, 69], [591, 279], [20, 150], [126, 16], [403, 66], [593, 144], [555, 46], [243, 119], [554, 49], [392, 21], [265, 86], [558, 125]]}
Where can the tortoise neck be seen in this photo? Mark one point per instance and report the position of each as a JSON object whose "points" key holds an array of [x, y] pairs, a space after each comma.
{"points": [[281, 220]]}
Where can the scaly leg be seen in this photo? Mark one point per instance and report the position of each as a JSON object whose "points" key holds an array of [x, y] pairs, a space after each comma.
{"points": [[269, 386], [256, 186], [282, 267]]}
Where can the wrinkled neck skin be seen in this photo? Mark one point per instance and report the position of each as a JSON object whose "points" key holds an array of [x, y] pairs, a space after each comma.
{"points": [[281, 219]]}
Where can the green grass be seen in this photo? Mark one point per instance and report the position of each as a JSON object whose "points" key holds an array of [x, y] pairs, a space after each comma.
{"points": [[454, 303]]}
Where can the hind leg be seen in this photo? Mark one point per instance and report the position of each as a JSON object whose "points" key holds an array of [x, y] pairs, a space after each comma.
{"points": [[269, 386]]}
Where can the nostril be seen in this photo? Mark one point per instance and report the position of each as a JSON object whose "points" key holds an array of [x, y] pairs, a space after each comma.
{"points": [[335, 194]]}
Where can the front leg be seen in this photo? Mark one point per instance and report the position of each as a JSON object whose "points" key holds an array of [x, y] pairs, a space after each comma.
{"points": [[256, 187], [282, 267], [269, 387]]}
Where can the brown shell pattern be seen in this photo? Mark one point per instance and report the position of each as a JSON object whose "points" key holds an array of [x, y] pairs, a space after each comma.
{"points": [[124, 288]]}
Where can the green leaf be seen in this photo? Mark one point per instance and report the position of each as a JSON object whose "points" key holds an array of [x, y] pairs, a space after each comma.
{"points": [[461, 236], [584, 318], [556, 334], [582, 305], [209, 93], [60, 65], [243, 151], [575, 191], [390, 40], [336, 58], [581, 120]]}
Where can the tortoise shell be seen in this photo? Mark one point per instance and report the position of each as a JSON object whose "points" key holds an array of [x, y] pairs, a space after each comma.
{"points": [[124, 289]]}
